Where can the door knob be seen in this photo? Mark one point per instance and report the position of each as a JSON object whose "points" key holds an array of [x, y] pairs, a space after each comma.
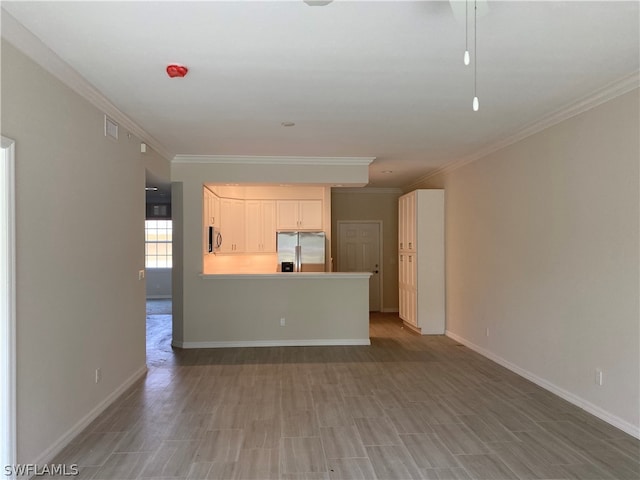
{"points": [[375, 271]]}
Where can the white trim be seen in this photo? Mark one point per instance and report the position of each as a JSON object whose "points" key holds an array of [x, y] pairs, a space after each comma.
{"points": [[8, 145], [371, 190], [329, 342], [25, 41], [49, 454], [600, 96], [602, 414], [271, 160], [287, 276], [412, 327]]}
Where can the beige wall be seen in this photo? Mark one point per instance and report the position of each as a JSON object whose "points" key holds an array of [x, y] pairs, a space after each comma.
{"points": [[349, 205], [542, 249], [241, 310], [197, 304], [157, 164], [80, 244]]}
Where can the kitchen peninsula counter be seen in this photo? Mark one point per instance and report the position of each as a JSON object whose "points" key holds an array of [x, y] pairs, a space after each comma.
{"points": [[275, 309], [289, 275]]}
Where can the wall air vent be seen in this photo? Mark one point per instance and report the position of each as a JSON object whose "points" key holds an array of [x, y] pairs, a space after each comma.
{"points": [[162, 210], [110, 128]]}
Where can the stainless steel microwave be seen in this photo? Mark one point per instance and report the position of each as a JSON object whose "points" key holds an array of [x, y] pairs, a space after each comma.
{"points": [[214, 240]]}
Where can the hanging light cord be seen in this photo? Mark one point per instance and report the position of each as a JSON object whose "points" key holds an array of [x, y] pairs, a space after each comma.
{"points": [[475, 55], [466, 25], [466, 32]]}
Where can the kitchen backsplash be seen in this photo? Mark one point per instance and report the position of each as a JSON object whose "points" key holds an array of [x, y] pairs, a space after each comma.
{"points": [[248, 263]]}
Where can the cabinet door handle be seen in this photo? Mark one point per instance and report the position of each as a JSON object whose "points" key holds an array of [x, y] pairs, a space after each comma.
{"points": [[410, 244], [409, 258], [400, 245]]}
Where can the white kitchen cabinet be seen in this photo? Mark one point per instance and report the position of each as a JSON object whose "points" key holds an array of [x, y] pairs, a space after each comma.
{"points": [[299, 214], [232, 225], [207, 217], [260, 226], [214, 209], [211, 208], [421, 260], [406, 222]]}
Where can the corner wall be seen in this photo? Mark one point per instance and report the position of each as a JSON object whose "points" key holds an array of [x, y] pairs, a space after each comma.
{"points": [[80, 245], [542, 249]]}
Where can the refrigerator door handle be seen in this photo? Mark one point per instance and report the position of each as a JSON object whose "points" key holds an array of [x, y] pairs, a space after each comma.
{"points": [[298, 258]]}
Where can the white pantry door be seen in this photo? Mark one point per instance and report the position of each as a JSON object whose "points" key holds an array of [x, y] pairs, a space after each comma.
{"points": [[359, 251]]}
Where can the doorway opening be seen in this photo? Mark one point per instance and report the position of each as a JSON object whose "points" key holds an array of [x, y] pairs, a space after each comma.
{"points": [[158, 267], [360, 250], [7, 306]]}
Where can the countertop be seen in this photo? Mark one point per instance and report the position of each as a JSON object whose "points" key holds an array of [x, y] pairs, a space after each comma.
{"points": [[286, 275]]}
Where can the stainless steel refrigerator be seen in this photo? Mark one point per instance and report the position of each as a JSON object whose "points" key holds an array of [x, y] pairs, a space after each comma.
{"points": [[301, 251]]}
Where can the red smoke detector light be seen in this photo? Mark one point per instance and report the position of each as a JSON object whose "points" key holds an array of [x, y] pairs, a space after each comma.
{"points": [[175, 70]]}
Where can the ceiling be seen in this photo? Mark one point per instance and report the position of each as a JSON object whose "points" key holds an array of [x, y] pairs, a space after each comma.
{"points": [[370, 79]]}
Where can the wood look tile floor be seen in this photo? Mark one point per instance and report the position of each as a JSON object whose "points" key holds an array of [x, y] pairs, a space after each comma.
{"points": [[406, 407]]}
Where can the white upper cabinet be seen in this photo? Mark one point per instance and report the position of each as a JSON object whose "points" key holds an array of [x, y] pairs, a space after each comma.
{"points": [[407, 222], [214, 209], [232, 225], [260, 226], [211, 208], [299, 215]]}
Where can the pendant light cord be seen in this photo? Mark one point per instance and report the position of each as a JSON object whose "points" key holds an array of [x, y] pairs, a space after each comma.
{"points": [[475, 47], [466, 25]]}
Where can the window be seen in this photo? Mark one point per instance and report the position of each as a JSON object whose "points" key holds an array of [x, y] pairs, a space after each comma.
{"points": [[157, 235]]}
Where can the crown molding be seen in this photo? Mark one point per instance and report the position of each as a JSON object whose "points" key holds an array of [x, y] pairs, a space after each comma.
{"points": [[20, 37], [608, 92], [271, 160], [369, 190]]}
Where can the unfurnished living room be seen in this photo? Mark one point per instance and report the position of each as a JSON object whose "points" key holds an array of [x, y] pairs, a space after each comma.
{"points": [[320, 239]]}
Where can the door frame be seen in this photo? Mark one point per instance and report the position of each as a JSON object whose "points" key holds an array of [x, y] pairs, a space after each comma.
{"points": [[380, 250], [8, 313]]}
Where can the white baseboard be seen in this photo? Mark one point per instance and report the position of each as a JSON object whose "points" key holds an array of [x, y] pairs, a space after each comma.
{"points": [[568, 396], [275, 343], [49, 454]]}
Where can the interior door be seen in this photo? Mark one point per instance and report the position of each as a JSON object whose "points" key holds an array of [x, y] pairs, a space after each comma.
{"points": [[359, 251]]}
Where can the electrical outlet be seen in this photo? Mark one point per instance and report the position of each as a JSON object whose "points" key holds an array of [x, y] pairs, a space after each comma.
{"points": [[98, 375], [140, 274], [599, 377], [283, 322]]}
